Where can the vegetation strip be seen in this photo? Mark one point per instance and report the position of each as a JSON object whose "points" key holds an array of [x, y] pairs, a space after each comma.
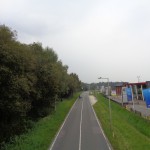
{"points": [[41, 136], [32, 80], [131, 132]]}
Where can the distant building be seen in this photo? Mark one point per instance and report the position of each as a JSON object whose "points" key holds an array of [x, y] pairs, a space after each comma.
{"points": [[119, 87], [148, 84], [102, 89], [137, 89]]}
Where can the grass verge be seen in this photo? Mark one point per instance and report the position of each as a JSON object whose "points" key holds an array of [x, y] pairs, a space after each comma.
{"points": [[131, 132], [44, 131]]}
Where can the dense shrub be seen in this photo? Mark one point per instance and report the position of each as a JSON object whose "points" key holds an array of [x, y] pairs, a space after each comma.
{"points": [[32, 79]]}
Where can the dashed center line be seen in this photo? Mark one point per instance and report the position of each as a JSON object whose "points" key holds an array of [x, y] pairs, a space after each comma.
{"points": [[80, 127]]}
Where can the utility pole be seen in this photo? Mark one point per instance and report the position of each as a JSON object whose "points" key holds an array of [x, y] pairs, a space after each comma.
{"points": [[110, 113], [138, 78]]}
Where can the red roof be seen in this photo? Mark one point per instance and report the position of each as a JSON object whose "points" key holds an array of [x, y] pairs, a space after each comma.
{"points": [[139, 83]]}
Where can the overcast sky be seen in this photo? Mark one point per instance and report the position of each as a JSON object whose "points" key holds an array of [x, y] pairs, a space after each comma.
{"points": [[107, 38]]}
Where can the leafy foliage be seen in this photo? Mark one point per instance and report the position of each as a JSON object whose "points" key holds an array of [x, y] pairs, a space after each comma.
{"points": [[32, 79]]}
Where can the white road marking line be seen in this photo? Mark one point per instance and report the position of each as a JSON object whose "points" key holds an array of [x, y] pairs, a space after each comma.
{"points": [[101, 129], [80, 127], [51, 147]]}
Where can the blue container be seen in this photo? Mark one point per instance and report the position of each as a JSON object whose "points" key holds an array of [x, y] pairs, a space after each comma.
{"points": [[146, 93], [129, 94]]}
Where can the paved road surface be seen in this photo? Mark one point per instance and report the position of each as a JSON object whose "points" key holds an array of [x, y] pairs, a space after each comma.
{"points": [[139, 105], [144, 111], [81, 130]]}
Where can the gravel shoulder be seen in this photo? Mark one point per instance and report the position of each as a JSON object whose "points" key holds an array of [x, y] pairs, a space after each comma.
{"points": [[93, 99]]}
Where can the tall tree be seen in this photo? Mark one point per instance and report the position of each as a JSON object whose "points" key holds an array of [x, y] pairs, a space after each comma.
{"points": [[32, 79]]}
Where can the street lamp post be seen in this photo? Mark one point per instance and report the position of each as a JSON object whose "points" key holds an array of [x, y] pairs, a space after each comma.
{"points": [[110, 115]]}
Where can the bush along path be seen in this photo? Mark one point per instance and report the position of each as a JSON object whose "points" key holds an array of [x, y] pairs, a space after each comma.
{"points": [[129, 131], [44, 131], [32, 80]]}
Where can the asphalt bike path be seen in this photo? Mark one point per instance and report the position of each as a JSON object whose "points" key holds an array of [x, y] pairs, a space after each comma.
{"points": [[81, 129]]}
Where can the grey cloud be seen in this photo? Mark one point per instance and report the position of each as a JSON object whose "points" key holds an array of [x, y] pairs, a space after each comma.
{"points": [[108, 37]]}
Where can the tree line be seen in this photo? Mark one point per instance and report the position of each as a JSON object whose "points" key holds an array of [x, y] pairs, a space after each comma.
{"points": [[32, 80]]}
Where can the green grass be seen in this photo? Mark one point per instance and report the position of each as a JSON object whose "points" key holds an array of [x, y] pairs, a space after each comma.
{"points": [[131, 132], [44, 131]]}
